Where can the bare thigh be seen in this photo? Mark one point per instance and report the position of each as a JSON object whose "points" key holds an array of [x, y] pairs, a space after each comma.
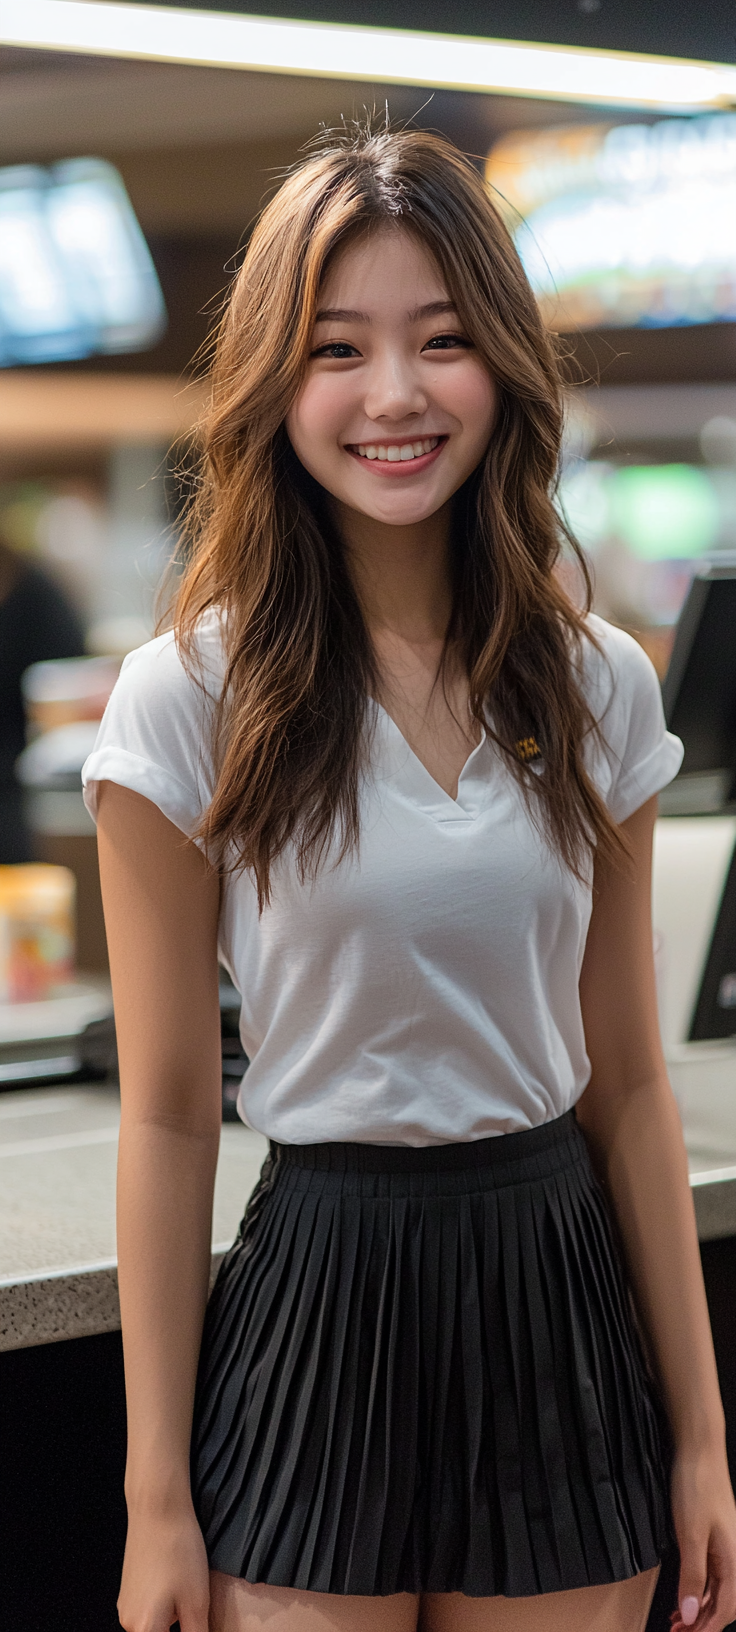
{"points": [[620, 1608], [237, 1606]]}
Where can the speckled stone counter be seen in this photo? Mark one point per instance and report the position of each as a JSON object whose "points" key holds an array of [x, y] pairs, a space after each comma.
{"points": [[714, 1195], [58, 1150], [45, 1309], [703, 1077]]}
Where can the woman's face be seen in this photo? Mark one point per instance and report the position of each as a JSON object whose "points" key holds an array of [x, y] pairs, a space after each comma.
{"points": [[396, 409]]}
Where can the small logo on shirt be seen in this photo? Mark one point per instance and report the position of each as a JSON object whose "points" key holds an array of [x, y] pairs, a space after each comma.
{"points": [[528, 748]]}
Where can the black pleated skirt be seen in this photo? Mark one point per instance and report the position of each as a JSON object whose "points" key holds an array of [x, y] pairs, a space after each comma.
{"points": [[420, 1373]]}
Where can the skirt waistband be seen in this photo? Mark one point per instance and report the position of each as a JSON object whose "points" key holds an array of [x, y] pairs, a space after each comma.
{"points": [[499, 1151]]}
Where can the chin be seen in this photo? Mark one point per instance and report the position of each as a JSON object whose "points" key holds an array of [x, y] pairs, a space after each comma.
{"points": [[400, 508], [405, 516]]}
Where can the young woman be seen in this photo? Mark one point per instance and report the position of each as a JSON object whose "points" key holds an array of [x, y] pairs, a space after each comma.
{"points": [[386, 770]]}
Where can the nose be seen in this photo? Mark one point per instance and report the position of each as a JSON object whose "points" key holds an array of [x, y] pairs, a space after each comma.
{"points": [[394, 391]]}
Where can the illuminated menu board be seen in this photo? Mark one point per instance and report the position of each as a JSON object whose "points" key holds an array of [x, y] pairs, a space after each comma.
{"points": [[624, 225], [76, 276]]}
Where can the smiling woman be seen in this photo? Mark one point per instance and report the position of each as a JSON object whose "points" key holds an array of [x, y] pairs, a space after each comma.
{"points": [[394, 383], [420, 785], [382, 300]]}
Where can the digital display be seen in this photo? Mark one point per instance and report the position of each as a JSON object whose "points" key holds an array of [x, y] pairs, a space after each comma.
{"points": [[646, 529], [76, 275], [624, 225]]}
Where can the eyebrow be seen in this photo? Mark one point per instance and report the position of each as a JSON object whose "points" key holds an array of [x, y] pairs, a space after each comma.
{"points": [[340, 314]]}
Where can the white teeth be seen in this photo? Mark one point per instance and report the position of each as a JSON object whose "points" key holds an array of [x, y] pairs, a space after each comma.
{"points": [[392, 453]]}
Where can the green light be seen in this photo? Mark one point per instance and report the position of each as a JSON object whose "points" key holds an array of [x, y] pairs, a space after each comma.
{"points": [[664, 512], [585, 501]]}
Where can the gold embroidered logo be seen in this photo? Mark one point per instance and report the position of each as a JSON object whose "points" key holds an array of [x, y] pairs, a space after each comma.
{"points": [[528, 748]]}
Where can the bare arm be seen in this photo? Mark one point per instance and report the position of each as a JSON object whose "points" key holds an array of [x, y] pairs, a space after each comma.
{"points": [[161, 906], [632, 1124]]}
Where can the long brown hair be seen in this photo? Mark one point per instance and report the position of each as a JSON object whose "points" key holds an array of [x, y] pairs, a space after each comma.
{"points": [[300, 668]]}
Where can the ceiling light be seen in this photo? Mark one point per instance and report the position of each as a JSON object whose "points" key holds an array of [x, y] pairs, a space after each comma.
{"points": [[382, 56]]}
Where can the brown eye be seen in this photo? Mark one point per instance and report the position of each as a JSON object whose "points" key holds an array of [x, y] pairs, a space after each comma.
{"points": [[447, 342], [337, 349]]}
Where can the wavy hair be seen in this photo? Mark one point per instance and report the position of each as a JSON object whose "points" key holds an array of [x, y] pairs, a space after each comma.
{"points": [[292, 724]]}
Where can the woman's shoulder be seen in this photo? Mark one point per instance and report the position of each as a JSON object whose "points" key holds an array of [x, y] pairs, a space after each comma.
{"points": [[158, 731], [165, 670], [634, 755], [614, 668]]}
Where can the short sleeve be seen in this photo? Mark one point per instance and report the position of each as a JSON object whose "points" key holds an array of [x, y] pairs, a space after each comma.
{"points": [[156, 733], [638, 756]]}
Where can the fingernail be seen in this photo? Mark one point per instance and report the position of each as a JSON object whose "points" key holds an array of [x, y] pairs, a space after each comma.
{"points": [[689, 1611]]}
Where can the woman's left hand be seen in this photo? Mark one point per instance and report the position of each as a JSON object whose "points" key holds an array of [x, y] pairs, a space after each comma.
{"points": [[704, 1512]]}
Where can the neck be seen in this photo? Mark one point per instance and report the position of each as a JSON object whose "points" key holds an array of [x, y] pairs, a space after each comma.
{"points": [[402, 574]]}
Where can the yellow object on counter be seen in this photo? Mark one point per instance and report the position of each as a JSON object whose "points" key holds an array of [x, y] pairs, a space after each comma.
{"points": [[37, 921]]}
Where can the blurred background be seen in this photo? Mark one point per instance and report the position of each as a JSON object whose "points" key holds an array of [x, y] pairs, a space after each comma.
{"points": [[137, 145], [128, 188]]}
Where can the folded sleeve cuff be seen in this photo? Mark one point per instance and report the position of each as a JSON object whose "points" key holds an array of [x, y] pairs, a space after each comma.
{"points": [[143, 776], [647, 778]]}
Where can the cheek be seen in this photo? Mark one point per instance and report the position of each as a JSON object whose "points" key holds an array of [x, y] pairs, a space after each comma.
{"points": [[318, 414], [472, 396]]}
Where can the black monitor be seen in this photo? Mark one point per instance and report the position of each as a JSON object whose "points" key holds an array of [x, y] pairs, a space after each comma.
{"points": [[699, 690], [699, 694], [714, 1015]]}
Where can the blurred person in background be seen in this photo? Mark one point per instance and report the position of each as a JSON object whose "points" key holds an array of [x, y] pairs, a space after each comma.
{"points": [[37, 622]]}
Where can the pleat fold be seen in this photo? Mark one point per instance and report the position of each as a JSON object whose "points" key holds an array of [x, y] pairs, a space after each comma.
{"points": [[428, 1380]]}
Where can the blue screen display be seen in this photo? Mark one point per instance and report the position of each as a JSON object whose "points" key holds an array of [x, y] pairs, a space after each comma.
{"points": [[76, 275]]}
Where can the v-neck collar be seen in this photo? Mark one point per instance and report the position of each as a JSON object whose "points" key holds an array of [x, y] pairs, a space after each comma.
{"points": [[409, 775]]}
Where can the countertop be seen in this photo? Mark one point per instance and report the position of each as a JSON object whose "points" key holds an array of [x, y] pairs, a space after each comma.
{"points": [[58, 1149]]}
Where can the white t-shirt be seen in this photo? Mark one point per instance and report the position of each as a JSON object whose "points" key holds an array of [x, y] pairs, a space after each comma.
{"points": [[424, 990]]}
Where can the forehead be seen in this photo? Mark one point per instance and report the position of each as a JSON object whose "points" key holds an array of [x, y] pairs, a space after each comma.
{"points": [[387, 266]]}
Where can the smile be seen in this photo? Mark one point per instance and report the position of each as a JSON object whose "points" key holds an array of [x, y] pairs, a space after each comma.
{"points": [[396, 450], [385, 457]]}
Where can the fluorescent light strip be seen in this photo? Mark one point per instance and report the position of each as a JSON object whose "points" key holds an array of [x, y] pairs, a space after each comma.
{"points": [[380, 55]]}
